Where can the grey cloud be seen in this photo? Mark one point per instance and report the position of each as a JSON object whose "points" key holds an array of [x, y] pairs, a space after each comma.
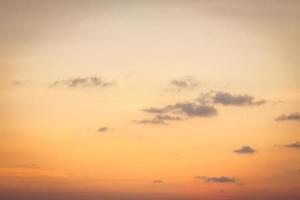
{"points": [[225, 98], [294, 145], [157, 110], [184, 83], [290, 117], [194, 109], [220, 179], [79, 82], [188, 108], [159, 119], [103, 129], [157, 181], [202, 106], [245, 150], [228, 99]]}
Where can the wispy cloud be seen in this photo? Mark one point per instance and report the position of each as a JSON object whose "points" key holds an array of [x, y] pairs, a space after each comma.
{"points": [[157, 181], [293, 145], [228, 99], [289, 117], [159, 119], [178, 111], [219, 179], [190, 109], [245, 150], [185, 83], [85, 82]]}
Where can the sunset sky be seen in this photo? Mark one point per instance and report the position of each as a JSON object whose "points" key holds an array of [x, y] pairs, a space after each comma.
{"points": [[150, 100]]}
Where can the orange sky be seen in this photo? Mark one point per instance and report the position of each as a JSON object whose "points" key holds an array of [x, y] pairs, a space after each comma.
{"points": [[149, 100]]}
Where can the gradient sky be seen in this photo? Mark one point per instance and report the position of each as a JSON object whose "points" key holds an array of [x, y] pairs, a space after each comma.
{"points": [[150, 100]]}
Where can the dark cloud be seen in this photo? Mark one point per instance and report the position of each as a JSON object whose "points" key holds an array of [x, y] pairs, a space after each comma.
{"points": [[202, 106], [79, 82], [290, 117], [157, 110], [184, 83], [157, 181], [103, 129], [159, 119], [245, 150], [194, 109], [294, 145], [188, 108], [220, 179], [226, 98], [184, 110]]}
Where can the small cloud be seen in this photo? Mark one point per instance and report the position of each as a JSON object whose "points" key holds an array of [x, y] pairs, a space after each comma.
{"points": [[245, 150], [20, 83], [220, 179], [293, 145], [185, 83], [159, 119], [195, 110], [289, 117], [226, 98], [85, 82], [103, 129], [190, 109], [157, 110], [157, 181]]}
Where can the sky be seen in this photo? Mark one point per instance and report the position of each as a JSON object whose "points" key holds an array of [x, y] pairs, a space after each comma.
{"points": [[150, 100]]}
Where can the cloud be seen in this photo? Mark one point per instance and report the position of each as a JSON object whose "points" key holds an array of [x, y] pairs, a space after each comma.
{"points": [[185, 83], [220, 179], [103, 129], [203, 106], [290, 117], [157, 181], [79, 82], [294, 145], [226, 98], [245, 150], [184, 110], [188, 108], [20, 82], [195, 110], [159, 119]]}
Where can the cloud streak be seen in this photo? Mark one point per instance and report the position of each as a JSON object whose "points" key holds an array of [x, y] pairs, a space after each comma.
{"points": [[245, 150], [185, 83], [159, 119], [220, 179], [229, 99], [289, 117], [295, 145], [85, 82], [157, 181]]}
